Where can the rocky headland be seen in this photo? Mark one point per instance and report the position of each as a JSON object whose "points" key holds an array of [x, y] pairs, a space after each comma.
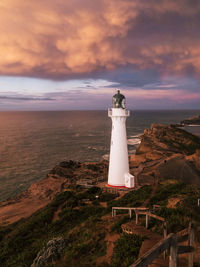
{"points": [[167, 153], [191, 121], [73, 204]]}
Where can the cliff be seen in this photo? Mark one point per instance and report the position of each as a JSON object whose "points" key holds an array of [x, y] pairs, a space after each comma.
{"points": [[40, 193], [167, 152]]}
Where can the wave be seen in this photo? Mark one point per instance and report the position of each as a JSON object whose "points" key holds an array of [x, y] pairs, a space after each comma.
{"points": [[92, 148], [136, 136], [192, 125], [105, 157], [133, 141]]}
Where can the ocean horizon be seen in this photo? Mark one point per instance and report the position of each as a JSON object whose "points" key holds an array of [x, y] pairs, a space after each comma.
{"points": [[33, 142]]}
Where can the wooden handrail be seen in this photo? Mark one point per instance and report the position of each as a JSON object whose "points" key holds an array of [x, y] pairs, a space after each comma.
{"points": [[170, 242], [155, 251]]}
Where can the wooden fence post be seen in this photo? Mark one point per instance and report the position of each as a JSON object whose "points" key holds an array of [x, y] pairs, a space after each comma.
{"points": [[173, 253], [147, 221], [130, 213], [191, 243], [136, 217], [165, 235]]}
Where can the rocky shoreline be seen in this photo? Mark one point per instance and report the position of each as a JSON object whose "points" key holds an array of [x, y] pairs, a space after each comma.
{"points": [[165, 153]]}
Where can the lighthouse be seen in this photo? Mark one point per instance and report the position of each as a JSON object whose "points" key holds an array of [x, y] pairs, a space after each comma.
{"points": [[118, 174]]}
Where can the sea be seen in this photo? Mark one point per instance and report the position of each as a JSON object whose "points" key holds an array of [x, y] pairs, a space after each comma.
{"points": [[32, 143]]}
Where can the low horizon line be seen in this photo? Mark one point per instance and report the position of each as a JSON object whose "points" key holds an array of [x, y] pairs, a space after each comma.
{"points": [[55, 110]]}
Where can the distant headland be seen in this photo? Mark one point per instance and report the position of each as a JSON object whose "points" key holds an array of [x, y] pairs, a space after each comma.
{"points": [[191, 121]]}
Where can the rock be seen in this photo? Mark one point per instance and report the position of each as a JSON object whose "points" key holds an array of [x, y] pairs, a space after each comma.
{"points": [[167, 140], [170, 153], [70, 164], [194, 120], [50, 252]]}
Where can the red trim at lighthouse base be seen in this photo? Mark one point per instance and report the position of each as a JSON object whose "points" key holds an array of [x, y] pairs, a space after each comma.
{"points": [[115, 186]]}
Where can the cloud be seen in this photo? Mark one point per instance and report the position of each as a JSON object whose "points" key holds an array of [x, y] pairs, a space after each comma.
{"points": [[75, 39], [24, 98]]}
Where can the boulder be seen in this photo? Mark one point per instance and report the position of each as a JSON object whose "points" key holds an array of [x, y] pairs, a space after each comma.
{"points": [[51, 252]]}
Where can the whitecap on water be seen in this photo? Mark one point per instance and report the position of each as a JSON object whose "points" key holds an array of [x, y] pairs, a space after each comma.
{"points": [[133, 141], [105, 157]]}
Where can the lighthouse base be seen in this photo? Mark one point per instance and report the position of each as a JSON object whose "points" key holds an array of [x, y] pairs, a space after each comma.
{"points": [[116, 186], [129, 182]]}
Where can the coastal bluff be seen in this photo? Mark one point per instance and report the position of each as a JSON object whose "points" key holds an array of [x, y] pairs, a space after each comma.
{"points": [[165, 153]]}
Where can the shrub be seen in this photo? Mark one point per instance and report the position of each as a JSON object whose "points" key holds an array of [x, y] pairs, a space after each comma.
{"points": [[107, 197], [116, 227], [133, 198], [126, 250], [164, 192]]}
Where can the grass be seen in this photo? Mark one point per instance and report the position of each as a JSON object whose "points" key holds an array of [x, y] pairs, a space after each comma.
{"points": [[81, 224], [126, 250], [21, 241], [132, 199], [179, 216], [116, 227]]}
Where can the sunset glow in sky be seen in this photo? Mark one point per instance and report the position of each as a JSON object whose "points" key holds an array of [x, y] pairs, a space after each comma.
{"points": [[74, 54]]}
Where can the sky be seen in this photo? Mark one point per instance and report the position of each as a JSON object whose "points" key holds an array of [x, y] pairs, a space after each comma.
{"points": [[75, 54]]}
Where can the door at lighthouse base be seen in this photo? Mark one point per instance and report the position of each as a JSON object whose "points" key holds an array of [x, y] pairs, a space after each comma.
{"points": [[129, 180]]}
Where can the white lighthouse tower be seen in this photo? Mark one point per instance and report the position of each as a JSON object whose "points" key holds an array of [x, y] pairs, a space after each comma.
{"points": [[118, 175]]}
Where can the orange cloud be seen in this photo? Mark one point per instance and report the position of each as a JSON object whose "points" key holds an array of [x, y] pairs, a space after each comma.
{"points": [[59, 39]]}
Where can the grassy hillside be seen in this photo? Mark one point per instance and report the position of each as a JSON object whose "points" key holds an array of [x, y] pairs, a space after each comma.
{"points": [[79, 221]]}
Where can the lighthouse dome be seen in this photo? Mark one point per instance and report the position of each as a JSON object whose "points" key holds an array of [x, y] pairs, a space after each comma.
{"points": [[118, 100]]}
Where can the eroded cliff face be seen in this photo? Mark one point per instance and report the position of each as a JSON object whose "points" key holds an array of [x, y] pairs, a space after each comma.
{"points": [[41, 193], [167, 140], [167, 152]]}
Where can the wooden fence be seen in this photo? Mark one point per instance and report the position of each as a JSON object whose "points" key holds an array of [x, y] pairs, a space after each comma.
{"points": [[170, 243], [138, 211], [130, 209]]}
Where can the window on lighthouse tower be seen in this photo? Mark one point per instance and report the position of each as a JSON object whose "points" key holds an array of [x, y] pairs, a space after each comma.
{"points": [[124, 103]]}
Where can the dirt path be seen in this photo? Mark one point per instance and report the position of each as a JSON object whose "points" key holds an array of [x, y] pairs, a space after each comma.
{"points": [[56, 214], [154, 189], [110, 238]]}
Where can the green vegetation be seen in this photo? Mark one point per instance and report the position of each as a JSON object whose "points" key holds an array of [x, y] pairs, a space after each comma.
{"points": [[21, 241], [126, 250], [165, 191], [133, 198], [178, 139], [116, 227], [85, 244], [179, 216], [80, 223]]}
